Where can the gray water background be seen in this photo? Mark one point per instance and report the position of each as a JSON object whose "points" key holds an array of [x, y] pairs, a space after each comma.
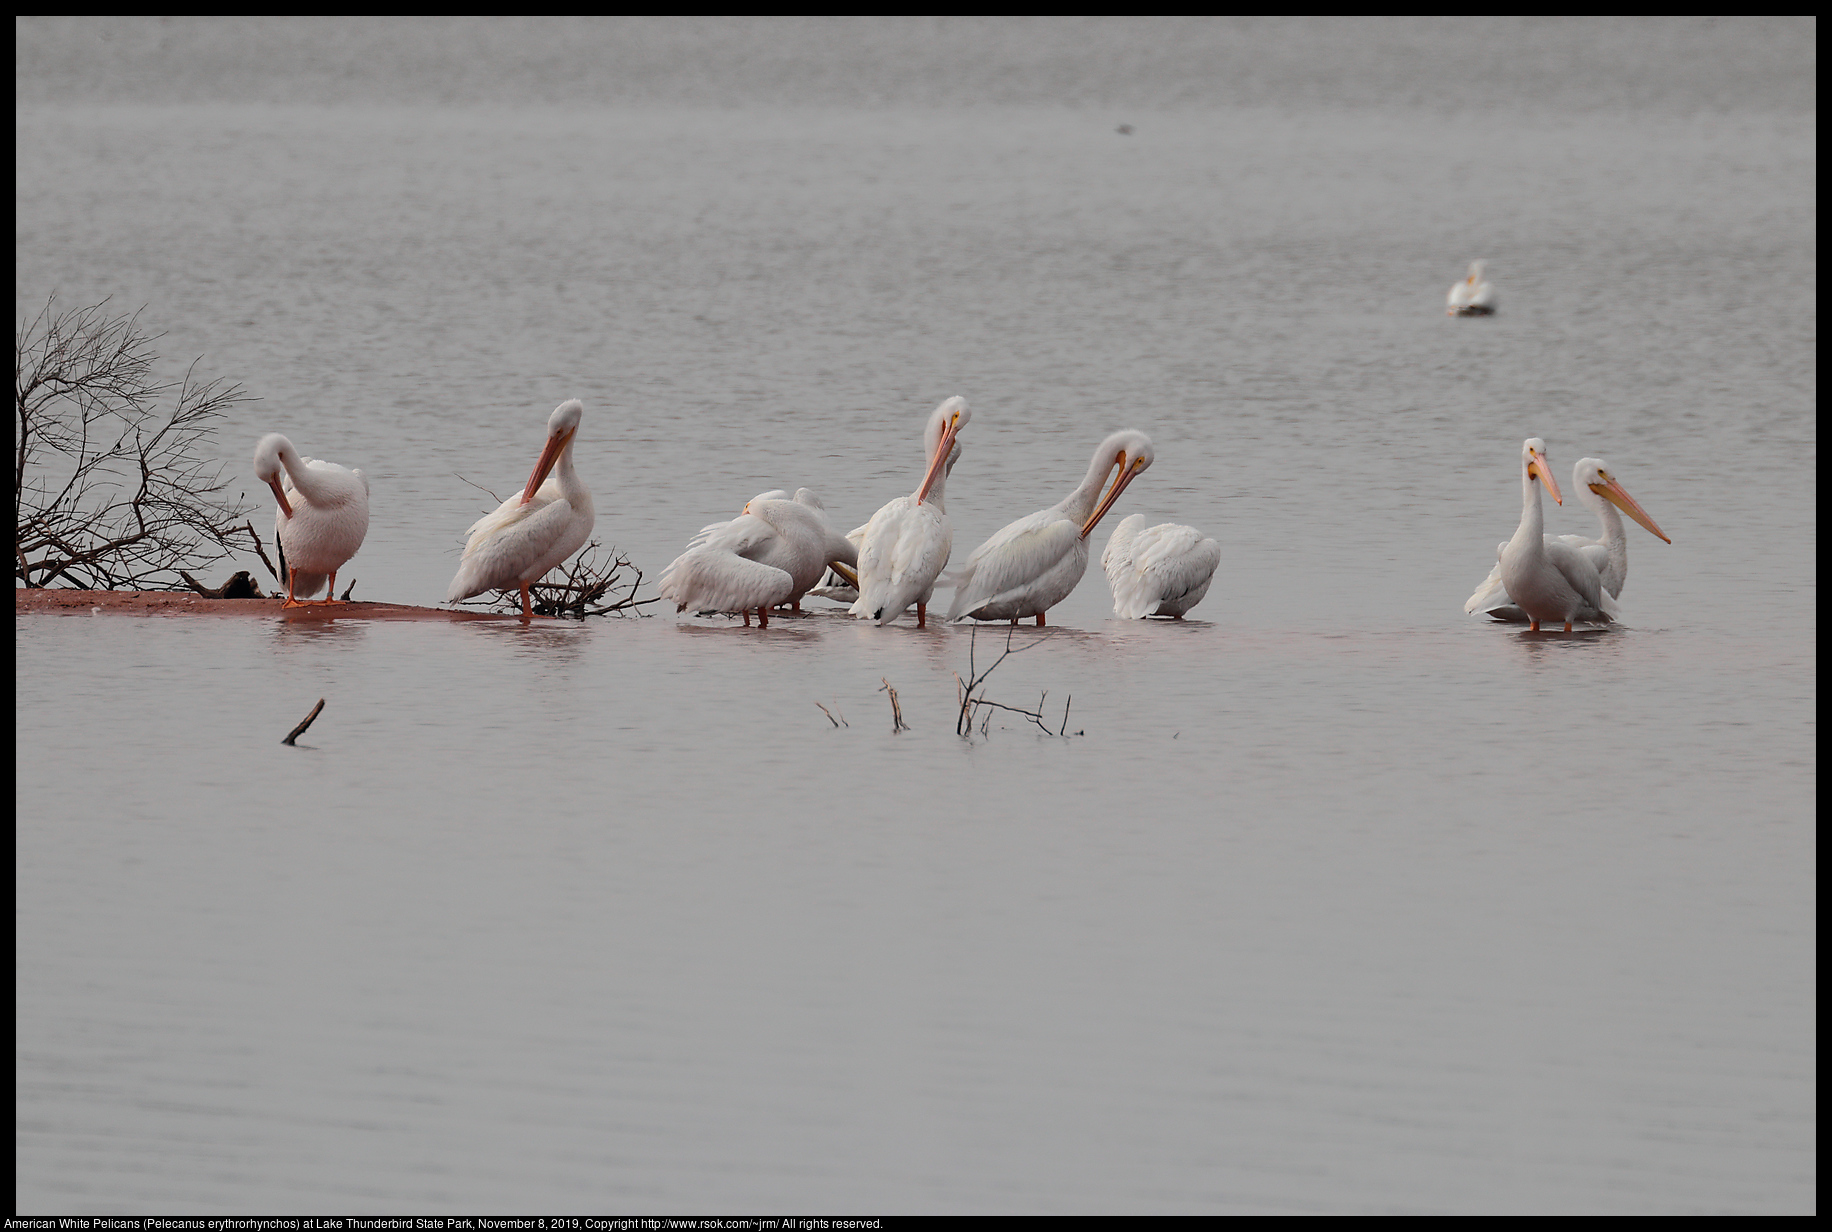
{"points": [[1342, 901]]}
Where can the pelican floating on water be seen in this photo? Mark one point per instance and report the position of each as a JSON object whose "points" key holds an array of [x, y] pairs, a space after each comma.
{"points": [[536, 530], [769, 555], [1032, 564], [1548, 578], [1473, 297], [906, 544], [1600, 490], [1161, 570], [322, 518]]}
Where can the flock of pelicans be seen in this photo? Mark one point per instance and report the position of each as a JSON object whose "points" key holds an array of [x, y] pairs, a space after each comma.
{"points": [[783, 547]]}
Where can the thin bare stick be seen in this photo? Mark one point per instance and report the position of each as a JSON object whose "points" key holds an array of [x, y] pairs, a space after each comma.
{"points": [[493, 496], [829, 715], [307, 722], [261, 551], [896, 710]]}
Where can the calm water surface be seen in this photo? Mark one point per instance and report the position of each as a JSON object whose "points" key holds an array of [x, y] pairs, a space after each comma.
{"points": [[1334, 900]]}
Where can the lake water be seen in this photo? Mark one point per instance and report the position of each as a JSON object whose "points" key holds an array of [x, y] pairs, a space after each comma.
{"points": [[1333, 899]]}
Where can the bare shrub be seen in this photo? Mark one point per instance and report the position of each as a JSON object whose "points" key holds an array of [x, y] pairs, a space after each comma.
{"points": [[109, 493]]}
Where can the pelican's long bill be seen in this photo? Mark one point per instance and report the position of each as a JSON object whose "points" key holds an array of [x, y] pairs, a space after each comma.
{"points": [[287, 508], [1616, 495], [940, 459], [1545, 475], [556, 445], [1128, 472]]}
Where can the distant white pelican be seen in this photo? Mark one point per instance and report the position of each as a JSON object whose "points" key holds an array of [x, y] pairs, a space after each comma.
{"points": [[769, 555], [1032, 565], [322, 517], [906, 543], [1597, 488], [534, 531], [1162, 570], [1473, 297]]}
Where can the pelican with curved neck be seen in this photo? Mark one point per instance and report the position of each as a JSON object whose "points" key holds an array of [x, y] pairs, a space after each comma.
{"points": [[907, 542], [321, 520], [1034, 563]]}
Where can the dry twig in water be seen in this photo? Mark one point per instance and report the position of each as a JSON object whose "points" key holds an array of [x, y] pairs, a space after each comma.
{"points": [[305, 723], [896, 710], [963, 725], [839, 722]]}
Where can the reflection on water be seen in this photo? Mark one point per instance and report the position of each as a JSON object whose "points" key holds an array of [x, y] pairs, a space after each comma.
{"points": [[1329, 906]]}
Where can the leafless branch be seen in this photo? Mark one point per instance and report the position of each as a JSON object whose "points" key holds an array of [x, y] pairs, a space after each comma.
{"points": [[897, 723], [977, 705], [109, 491]]}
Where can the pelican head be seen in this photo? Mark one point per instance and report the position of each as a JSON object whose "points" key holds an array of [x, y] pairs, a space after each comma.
{"points": [[1128, 454], [945, 423], [1533, 458], [1475, 272], [267, 466], [562, 426], [1591, 475]]}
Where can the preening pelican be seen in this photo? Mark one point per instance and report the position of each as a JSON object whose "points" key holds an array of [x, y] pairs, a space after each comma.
{"points": [[1032, 565], [906, 543], [769, 555], [838, 584], [536, 530], [1599, 489], [1162, 570], [322, 517], [1473, 297], [1548, 578]]}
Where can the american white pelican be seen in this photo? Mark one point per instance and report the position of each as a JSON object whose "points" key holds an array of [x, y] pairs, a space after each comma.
{"points": [[536, 530], [838, 584], [1548, 578], [1597, 488], [1473, 297], [769, 555], [1162, 570], [322, 517], [906, 543], [1032, 565]]}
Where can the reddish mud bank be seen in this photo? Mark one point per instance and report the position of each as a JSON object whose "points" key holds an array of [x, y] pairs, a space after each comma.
{"points": [[182, 603]]}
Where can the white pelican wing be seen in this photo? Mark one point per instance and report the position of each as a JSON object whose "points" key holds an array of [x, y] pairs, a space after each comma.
{"points": [[713, 579], [504, 546], [1025, 554], [1172, 567]]}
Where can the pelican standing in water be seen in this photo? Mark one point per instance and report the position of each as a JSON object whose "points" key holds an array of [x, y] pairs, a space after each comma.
{"points": [[1473, 297], [1600, 490], [1162, 570], [842, 584], [1032, 565], [536, 530], [906, 543], [1548, 578], [769, 555], [322, 517]]}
